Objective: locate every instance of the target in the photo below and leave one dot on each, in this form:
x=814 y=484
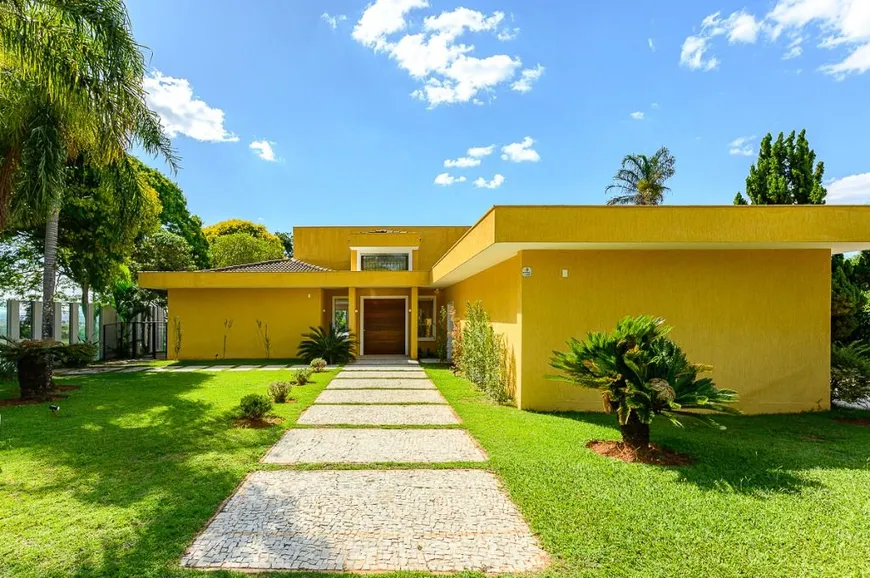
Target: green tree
x=287 y=241
x=175 y=216
x=70 y=83
x=164 y=251
x=20 y=265
x=240 y=248
x=786 y=173
x=641 y=179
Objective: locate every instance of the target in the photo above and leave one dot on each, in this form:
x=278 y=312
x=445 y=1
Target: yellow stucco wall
x=499 y=289
x=330 y=246
x=287 y=312
x=760 y=318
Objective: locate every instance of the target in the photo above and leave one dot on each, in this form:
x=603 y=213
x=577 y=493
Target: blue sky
x=361 y=104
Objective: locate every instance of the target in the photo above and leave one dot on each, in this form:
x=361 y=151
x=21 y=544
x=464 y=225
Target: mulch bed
x=864 y=422
x=56 y=395
x=655 y=455
x=267 y=421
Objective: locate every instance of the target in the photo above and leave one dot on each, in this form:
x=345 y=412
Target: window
x=384 y=262
x=426 y=318
x=339 y=314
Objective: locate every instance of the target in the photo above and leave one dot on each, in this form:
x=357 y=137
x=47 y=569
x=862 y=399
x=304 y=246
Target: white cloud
x=528 y=77
x=654 y=106
x=333 y=21
x=478 y=152
x=263 y=149
x=462 y=163
x=652 y=44
x=495 y=183
x=854 y=189
x=446 y=179
x=446 y=68
x=839 y=23
x=520 y=152
x=506 y=34
x=742 y=146
x=181 y=112
x=637 y=115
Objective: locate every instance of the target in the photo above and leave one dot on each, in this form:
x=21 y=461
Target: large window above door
x=385 y=262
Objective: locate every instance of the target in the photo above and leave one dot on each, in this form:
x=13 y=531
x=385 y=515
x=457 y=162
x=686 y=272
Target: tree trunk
x=7 y=177
x=34 y=376
x=635 y=434
x=49 y=273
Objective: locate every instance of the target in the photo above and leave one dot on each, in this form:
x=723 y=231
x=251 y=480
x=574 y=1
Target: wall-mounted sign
x=527 y=271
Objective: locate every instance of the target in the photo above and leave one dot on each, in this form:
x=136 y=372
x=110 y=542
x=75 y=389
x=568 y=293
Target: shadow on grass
x=136 y=458
x=756 y=455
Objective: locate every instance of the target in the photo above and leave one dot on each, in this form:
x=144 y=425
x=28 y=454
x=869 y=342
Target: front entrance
x=383 y=326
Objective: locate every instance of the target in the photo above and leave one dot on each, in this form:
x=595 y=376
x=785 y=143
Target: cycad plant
x=641 y=373
x=327 y=343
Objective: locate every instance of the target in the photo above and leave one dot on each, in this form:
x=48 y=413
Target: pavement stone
x=376 y=396
x=378 y=415
x=417 y=374
x=369 y=520
x=380 y=384
x=363 y=446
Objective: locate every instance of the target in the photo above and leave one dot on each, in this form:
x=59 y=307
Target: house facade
x=747 y=290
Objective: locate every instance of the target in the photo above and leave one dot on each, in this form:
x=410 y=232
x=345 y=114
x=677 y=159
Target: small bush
x=302 y=376
x=76 y=355
x=850 y=372
x=318 y=364
x=481 y=354
x=255 y=406
x=330 y=343
x=279 y=391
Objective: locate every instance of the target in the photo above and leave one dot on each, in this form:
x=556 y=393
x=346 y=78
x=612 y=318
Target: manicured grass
x=130 y=469
x=771 y=496
x=185 y=362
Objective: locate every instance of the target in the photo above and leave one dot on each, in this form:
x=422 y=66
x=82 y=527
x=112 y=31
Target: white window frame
x=434 y=300
x=362 y=320
x=360 y=251
x=349 y=309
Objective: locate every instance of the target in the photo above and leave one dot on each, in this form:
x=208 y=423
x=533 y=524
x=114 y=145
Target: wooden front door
x=384 y=327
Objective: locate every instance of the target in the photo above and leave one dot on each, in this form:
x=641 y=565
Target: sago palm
x=70 y=84
x=327 y=343
x=641 y=373
x=641 y=179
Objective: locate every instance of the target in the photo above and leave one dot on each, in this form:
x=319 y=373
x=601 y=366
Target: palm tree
x=641 y=180
x=70 y=84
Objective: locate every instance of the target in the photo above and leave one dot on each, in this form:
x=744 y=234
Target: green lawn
x=771 y=496
x=131 y=468
x=134 y=465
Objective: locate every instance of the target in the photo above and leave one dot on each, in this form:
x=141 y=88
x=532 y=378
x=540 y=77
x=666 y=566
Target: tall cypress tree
x=786 y=173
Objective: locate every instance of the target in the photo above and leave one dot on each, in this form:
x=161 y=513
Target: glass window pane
x=339 y=314
x=384 y=262
x=426 y=319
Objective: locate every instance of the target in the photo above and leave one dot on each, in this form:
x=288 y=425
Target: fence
x=134 y=340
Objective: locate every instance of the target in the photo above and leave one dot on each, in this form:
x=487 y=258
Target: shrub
x=302 y=376
x=77 y=354
x=318 y=364
x=482 y=356
x=850 y=371
x=441 y=335
x=279 y=391
x=641 y=373
x=327 y=343
x=255 y=406
x=33 y=360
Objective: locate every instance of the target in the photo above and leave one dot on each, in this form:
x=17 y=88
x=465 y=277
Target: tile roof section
x=275 y=266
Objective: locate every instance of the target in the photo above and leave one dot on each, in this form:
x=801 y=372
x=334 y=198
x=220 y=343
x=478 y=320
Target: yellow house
x=747 y=290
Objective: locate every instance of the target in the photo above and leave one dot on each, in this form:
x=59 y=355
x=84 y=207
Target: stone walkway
x=372 y=520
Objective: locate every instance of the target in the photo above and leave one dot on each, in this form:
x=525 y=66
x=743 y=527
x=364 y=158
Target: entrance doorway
x=384 y=323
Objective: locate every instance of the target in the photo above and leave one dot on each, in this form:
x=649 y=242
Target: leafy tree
x=164 y=251
x=641 y=180
x=240 y=248
x=175 y=216
x=130 y=300
x=287 y=241
x=20 y=265
x=786 y=173
x=71 y=83
x=232 y=226
x=641 y=373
